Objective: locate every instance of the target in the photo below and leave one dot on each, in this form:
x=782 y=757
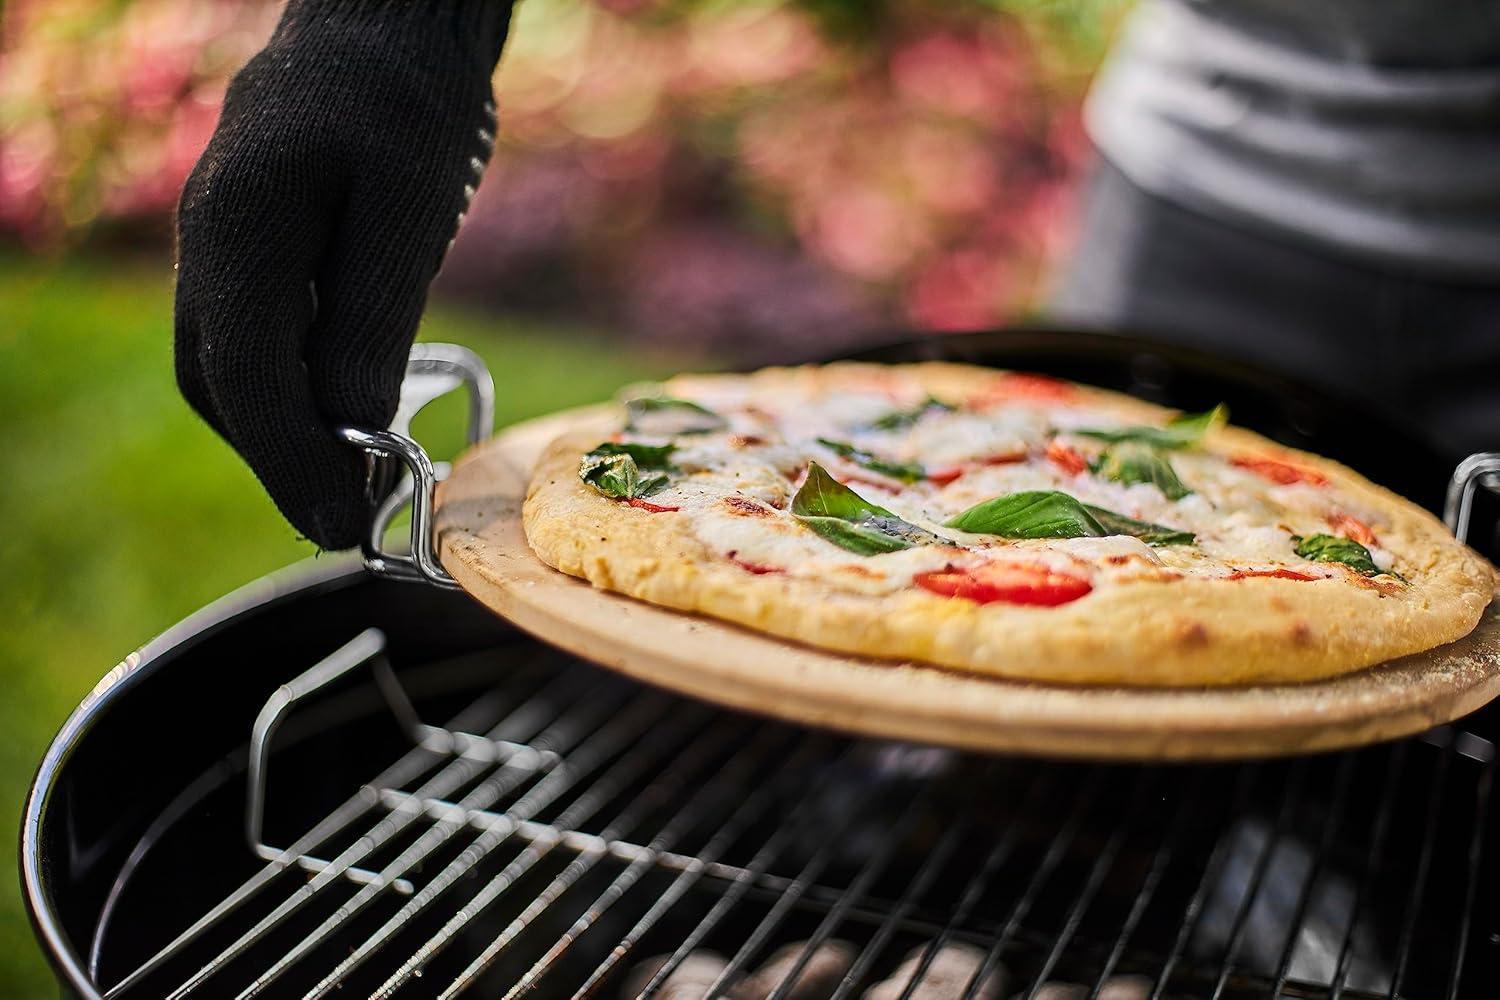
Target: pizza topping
x=653 y=508
x=744 y=505
x=1012 y=583
x=839 y=515
x=759 y=569
x=942 y=477
x=1053 y=514
x=907 y=472
x=1065 y=458
x=1026 y=386
x=1352 y=528
x=647 y=456
x=1277 y=471
x=663 y=416
x=1130 y=463
x=1329 y=548
x=1279 y=573
x=1151 y=534
x=1029 y=514
x=614 y=469
x=1182 y=431
x=901 y=419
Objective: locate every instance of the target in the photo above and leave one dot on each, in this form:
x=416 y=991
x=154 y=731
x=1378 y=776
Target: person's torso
x=1369 y=125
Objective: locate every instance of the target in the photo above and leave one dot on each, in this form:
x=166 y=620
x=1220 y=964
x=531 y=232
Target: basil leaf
x=848 y=520
x=1181 y=432
x=1151 y=534
x=1032 y=514
x=1330 y=548
x=667 y=417
x=1131 y=463
x=898 y=419
x=907 y=472
x=1053 y=514
x=647 y=456
x=618 y=476
x=859 y=538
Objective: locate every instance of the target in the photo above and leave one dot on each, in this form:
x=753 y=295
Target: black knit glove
x=345 y=157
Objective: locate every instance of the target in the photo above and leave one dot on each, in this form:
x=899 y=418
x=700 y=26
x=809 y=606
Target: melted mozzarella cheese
x=1241 y=522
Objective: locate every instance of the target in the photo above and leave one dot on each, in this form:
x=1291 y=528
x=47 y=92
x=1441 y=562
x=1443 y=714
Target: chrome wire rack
x=571 y=834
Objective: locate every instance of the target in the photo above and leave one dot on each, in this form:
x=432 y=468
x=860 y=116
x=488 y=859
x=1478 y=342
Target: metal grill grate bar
x=1424 y=863
x=458 y=772
x=611 y=739
x=1476 y=854
x=510 y=776
x=749 y=810
x=407 y=768
x=855 y=892
x=689 y=816
x=1284 y=817
x=898 y=914
x=1211 y=872
x=976 y=889
x=789 y=897
x=1097 y=871
x=1331 y=825
x=737 y=888
x=1374 y=861
x=676 y=774
x=1056 y=849
x=1165 y=851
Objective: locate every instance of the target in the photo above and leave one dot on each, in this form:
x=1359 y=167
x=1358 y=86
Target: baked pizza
x=999 y=522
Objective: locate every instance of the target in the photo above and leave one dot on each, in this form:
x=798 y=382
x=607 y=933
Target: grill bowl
x=1241 y=878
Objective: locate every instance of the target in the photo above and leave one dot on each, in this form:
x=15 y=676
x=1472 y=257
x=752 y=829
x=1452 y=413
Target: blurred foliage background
x=678 y=183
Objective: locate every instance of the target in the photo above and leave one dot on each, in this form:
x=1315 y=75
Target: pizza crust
x=1148 y=632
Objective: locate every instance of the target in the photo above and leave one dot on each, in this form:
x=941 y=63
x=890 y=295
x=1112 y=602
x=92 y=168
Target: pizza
x=999 y=522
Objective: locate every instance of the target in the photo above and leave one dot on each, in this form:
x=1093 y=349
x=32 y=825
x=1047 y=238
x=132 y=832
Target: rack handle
x=1482 y=469
x=432 y=371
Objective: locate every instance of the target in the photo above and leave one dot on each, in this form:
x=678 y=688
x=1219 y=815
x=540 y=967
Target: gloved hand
x=344 y=159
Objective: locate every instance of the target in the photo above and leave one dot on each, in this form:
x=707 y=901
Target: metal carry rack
x=570 y=824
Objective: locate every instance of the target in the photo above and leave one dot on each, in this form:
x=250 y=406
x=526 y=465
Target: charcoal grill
x=309 y=790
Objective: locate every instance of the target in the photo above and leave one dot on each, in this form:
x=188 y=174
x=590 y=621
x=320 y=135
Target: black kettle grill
x=309 y=790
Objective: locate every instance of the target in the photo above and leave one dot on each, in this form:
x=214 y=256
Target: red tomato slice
x=1066 y=458
x=1277 y=471
x=1352 y=528
x=759 y=569
x=942 y=477
x=1012 y=583
x=1008 y=459
x=1278 y=573
x=1024 y=386
x=654 y=508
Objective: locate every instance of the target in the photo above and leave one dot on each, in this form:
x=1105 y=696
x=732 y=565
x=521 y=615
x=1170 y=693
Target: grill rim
x=300 y=580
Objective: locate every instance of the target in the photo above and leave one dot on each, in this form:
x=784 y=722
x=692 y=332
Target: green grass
x=123 y=512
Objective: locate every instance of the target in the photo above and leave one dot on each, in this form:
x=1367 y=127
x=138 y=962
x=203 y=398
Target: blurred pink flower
x=864 y=232
x=749 y=47
x=973 y=75
x=26 y=165
x=962 y=290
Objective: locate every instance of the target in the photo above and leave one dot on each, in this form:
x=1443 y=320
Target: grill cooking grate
x=586 y=824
